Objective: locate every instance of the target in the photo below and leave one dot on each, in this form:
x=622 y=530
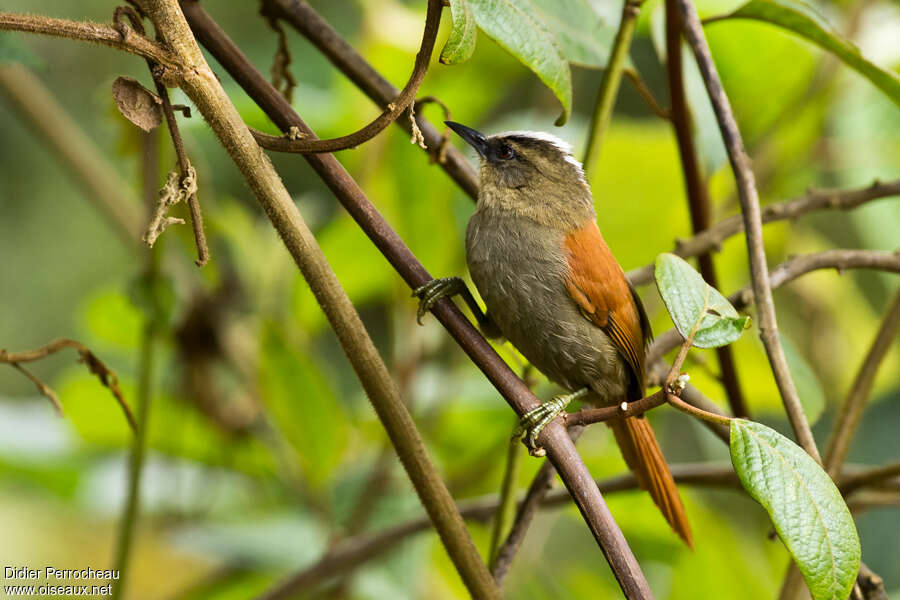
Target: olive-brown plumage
x=553 y=288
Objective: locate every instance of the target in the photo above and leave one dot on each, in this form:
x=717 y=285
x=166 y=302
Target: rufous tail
x=642 y=454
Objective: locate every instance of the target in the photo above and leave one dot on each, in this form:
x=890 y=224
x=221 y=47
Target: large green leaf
x=806 y=508
x=804 y=20
x=516 y=26
x=689 y=299
x=461 y=43
x=583 y=35
x=809 y=388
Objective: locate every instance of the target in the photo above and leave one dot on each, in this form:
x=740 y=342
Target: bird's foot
x=537 y=418
x=434 y=290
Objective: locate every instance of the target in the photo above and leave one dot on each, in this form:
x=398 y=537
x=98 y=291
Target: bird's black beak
x=472 y=137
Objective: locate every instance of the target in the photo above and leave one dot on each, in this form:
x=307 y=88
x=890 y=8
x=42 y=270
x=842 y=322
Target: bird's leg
x=446 y=287
x=537 y=418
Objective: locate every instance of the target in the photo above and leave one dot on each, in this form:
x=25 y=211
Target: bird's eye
x=505 y=152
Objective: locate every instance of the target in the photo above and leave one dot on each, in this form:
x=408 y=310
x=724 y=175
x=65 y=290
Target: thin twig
x=504 y=516
x=186 y=171
x=282 y=78
x=392 y=111
x=44 y=389
x=697 y=191
x=858 y=396
x=527 y=510
x=96 y=366
x=554 y=437
x=349 y=554
x=813 y=201
x=187 y=184
x=609 y=84
x=153 y=321
x=837 y=259
x=869 y=477
x=645 y=93
x=86 y=31
x=329 y=42
x=204 y=89
x=740 y=164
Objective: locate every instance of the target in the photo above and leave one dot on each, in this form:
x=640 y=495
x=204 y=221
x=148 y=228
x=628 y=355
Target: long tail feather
x=642 y=454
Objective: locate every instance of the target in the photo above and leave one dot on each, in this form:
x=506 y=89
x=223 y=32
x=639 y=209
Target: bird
x=552 y=287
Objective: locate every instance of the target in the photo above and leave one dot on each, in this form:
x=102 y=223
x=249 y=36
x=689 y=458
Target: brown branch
x=185 y=170
x=645 y=93
x=837 y=259
x=42 y=388
x=813 y=201
x=204 y=89
x=554 y=437
x=342 y=55
x=587 y=416
x=849 y=483
x=353 y=552
x=392 y=111
x=857 y=397
x=527 y=510
x=102 y=185
x=697 y=190
x=188 y=179
x=96 y=366
x=86 y=31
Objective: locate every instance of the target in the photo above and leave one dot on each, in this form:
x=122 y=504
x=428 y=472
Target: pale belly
x=523 y=288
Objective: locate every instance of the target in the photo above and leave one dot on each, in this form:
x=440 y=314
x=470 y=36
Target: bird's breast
x=519 y=268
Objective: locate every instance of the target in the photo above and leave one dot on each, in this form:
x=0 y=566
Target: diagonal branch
x=857 y=397
x=96 y=366
x=86 y=31
x=813 y=201
x=554 y=437
x=353 y=552
x=392 y=111
x=740 y=164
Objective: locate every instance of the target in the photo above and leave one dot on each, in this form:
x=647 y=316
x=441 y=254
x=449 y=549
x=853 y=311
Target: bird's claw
x=433 y=291
x=534 y=421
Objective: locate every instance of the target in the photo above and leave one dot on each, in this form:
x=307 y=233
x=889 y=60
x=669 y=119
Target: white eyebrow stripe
x=560 y=144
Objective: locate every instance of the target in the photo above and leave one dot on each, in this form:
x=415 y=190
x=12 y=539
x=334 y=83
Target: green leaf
x=809 y=388
x=804 y=20
x=583 y=35
x=461 y=43
x=303 y=405
x=806 y=508
x=516 y=27
x=689 y=299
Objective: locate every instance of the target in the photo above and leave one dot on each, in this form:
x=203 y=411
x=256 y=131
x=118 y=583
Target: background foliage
x=260 y=455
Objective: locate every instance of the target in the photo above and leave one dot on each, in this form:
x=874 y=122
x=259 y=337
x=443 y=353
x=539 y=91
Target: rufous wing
x=605 y=297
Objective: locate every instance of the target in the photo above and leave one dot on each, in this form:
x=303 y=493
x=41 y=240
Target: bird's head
x=528 y=171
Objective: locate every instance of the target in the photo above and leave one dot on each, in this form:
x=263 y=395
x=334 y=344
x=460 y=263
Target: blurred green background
x=262 y=444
